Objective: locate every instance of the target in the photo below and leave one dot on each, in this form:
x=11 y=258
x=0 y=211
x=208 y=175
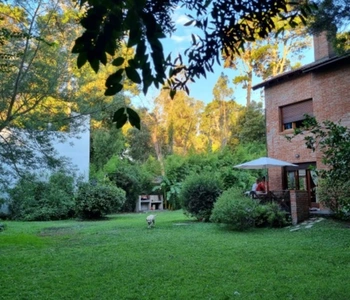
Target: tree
x=219 y=116
x=333 y=17
x=225 y=25
x=90 y=96
x=106 y=142
x=32 y=87
x=250 y=126
x=41 y=85
x=8 y=32
x=223 y=95
x=140 y=146
x=269 y=56
x=180 y=117
x=153 y=121
x=333 y=141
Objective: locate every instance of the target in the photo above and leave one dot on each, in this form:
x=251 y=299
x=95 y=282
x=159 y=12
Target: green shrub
x=171 y=190
x=95 y=201
x=335 y=194
x=270 y=215
x=176 y=167
x=35 y=200
x=133 y=180
x=198 y=195
x=235 y=210
x=235 y=178
x=243 y=213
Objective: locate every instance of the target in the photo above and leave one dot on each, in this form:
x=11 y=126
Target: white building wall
x=76 y=149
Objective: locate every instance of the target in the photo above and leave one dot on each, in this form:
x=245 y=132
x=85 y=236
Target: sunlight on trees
x=269 y=56
x=42 y=81
x=224 y=25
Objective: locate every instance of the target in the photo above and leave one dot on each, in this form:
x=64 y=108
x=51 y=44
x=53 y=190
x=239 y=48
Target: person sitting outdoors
x=255 y=185
x=252 y=191
x=261 y=188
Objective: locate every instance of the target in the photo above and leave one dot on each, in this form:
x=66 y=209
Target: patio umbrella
x=264 y=163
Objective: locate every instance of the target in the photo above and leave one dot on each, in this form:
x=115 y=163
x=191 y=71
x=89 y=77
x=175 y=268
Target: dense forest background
x=180 y=136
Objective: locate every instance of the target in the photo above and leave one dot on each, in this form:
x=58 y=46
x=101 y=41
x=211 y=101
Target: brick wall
x=277 y=145
x=299 y=205
x=329 y=90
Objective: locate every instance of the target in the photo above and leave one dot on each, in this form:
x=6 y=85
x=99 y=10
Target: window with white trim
x=293 y=115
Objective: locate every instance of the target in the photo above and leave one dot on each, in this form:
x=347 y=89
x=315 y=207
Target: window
x=292 y=115
x=288 y=125
x=297 y=180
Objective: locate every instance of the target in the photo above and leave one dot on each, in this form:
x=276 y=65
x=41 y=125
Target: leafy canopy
x=332 y=16
x=224 y=26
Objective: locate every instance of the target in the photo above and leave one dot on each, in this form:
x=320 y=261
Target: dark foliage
x=95 y=201
x=198 y=195
x=333 y=17
x=133 y=181
x=225 y=26
x=141 y=147
x=270 y=215
x=35 y=200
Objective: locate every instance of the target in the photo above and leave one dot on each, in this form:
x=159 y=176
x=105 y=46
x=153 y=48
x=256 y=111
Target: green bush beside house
x=60 y=197
x=241 y=213
x=33 y=199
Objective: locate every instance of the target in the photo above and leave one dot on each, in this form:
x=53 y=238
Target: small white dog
x=151 y=220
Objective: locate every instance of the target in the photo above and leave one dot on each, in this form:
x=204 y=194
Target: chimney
x=323 y=48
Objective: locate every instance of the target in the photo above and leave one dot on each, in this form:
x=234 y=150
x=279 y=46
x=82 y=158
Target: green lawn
x=120 y=258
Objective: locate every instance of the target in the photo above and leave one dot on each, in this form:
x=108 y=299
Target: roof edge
x=304 y=69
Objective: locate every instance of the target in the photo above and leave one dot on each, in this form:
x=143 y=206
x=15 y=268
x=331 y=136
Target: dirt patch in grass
x=55 y=231
x=183 y=224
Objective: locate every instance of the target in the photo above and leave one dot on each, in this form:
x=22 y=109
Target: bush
x=270 y=215
x=242 y=213
x=133 y=180
x=198 y=195
x=35 y=200
x=171 y=190
x=95 y=201
x=335 y=194
x=235 y=210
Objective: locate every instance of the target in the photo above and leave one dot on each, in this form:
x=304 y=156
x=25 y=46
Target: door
x=302 y=178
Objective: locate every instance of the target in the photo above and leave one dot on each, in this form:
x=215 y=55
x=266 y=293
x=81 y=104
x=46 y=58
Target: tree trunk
x=249 y=87
x=158 y=149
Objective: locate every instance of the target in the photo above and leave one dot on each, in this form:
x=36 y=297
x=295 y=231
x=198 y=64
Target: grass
x=120 y=258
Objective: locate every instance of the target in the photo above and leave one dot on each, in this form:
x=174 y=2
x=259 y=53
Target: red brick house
x=321 y=89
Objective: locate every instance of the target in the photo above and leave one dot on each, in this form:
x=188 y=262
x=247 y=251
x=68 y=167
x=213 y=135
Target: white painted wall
x=76 y=149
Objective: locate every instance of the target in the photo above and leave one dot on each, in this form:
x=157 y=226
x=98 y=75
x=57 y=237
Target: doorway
x=302 y=178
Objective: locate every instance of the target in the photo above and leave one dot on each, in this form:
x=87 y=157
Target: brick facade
x=329 y=90
x=326 y=82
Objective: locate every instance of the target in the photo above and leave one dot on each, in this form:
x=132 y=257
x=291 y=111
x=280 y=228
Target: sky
x=202 y=89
